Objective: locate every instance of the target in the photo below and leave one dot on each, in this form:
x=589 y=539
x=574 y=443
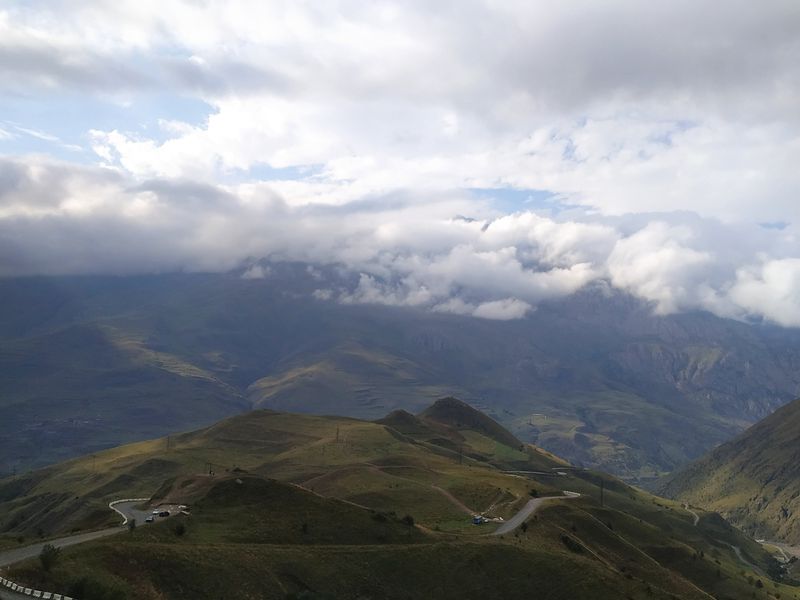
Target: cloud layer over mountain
x=468 y=157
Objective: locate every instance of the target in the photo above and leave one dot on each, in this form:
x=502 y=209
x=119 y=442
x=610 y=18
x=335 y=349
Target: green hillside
x=754 y=480
x=285 y=505
x=250 y=538
x=366 y=463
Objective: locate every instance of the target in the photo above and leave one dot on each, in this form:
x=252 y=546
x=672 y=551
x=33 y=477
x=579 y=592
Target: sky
x=471 y=157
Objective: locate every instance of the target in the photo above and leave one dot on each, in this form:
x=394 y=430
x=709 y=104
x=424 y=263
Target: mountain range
x=87 y=363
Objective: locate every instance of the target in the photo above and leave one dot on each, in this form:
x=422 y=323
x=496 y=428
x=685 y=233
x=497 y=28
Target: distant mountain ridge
x=90 y=362
x=753 y=480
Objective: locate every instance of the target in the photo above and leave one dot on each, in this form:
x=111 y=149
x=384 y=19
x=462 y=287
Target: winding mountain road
x=695 y=516
x=531 y=507
x=126 y=509
x=15 y=555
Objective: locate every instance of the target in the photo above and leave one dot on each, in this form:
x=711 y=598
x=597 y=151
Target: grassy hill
x=87 y=363
x=251 y=538
x=316 y=507
x=462 y=417
x=367 y=463
x=754 y=480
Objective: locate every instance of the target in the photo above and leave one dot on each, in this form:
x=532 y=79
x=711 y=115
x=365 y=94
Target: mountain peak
x=403 y=421
x=460 y=415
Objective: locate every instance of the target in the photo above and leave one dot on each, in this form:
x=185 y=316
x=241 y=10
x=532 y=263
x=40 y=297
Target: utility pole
x=602 y=492
x=337 y=435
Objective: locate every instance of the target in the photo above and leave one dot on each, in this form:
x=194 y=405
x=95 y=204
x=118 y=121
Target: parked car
x=163 y=513
x=479 y=520
x=150 y=519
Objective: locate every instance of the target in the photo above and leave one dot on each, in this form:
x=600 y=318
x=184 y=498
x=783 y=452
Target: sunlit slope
x=366 y=381
x=754 y=479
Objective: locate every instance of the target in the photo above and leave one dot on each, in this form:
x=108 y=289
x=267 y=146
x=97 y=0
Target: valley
x=87 y=363
x=752 y=480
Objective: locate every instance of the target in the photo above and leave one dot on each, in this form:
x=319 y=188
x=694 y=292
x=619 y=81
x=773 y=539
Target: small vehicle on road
x=163 y=513
x=150 y=519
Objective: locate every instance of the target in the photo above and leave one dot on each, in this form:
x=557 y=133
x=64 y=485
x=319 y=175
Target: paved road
x=694 y=514
x=126 y=509
x=744 y=561
x=14 y=555
x=129 y=512
x=531 y=507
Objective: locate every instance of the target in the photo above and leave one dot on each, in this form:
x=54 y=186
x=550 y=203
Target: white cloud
x=256 y=272
x=658 y=263
x=59 y=219
x=351 y=134
x=685 y=106
x=771 y=289
x=42 y=135
x=502 y=310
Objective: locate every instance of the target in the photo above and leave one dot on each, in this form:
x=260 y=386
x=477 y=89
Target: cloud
x=256 y=272
x=353 y=134
x=771 y=289
x=620 y=106
x=502 y=310
x=56 y=218
x=658 y=264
